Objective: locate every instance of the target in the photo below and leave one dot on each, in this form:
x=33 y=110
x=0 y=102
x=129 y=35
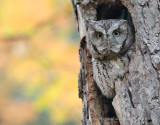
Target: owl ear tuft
x=124 y=21
x=91 y=23
x=123 y=24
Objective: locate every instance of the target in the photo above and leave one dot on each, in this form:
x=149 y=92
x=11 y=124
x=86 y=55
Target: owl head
x=108 y=39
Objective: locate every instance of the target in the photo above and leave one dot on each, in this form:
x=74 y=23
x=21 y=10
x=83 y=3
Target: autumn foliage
x=39 y=63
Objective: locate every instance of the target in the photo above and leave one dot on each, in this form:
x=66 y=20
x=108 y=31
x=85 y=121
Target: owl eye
x=116 y=33
x=99 y=35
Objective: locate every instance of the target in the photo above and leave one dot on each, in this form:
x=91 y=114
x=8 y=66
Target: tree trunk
x=137 y=99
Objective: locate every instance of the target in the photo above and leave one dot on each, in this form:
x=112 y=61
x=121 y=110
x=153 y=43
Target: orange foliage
x=39 y=72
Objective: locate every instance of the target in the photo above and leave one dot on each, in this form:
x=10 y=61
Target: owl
x=108 y=39
x=108 y=42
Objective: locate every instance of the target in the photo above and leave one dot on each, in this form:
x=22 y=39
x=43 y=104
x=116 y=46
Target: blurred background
x=39 y=63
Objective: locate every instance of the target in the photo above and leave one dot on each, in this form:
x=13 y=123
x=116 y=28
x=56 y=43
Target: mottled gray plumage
x=108 y=42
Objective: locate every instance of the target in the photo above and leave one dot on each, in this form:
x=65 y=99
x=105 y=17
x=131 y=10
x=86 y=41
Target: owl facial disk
x=108 y=38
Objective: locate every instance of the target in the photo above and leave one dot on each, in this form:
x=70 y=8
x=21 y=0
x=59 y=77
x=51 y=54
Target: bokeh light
x=39 y=63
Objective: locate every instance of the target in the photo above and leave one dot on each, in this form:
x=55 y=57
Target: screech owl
x=109 y=42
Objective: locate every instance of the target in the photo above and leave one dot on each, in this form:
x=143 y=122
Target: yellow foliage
x=21 y=15
x=42 y=69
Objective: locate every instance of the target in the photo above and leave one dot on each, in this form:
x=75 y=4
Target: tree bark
x=137 y=99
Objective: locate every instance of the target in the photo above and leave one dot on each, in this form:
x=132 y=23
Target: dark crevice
x=106 y=11
x=106 y=104
x=130 y=95
x=113 y=11
x=109 y=107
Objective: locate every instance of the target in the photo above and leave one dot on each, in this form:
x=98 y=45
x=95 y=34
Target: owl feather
x=109 y=42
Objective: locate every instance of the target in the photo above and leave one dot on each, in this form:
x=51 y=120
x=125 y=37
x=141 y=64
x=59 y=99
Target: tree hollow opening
x=113 y=11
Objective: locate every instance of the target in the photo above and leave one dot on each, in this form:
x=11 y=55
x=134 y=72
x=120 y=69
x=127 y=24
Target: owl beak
x=105 y=37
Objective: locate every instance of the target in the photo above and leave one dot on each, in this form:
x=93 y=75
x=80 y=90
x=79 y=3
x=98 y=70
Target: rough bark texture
x=137 y=99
